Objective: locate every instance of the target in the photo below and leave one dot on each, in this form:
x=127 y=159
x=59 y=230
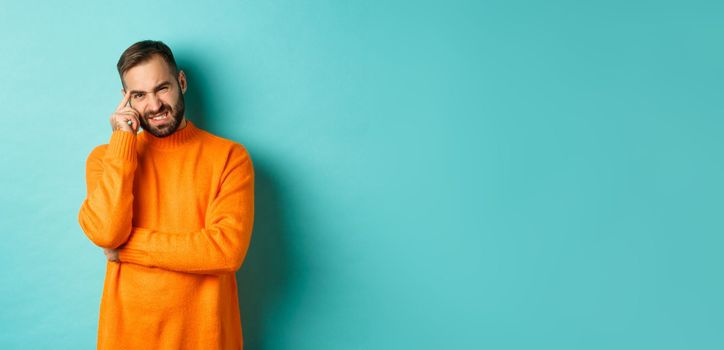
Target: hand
x=111 y=254
x=124 y=113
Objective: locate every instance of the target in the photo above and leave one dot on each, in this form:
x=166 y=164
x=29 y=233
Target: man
x=173 y=208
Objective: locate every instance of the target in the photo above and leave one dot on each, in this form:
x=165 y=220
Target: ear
x=182 y=81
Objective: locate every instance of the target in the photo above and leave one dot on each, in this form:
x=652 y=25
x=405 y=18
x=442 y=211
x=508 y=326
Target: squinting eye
x=137 y=96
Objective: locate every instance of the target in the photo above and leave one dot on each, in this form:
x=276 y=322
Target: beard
x=175 y=115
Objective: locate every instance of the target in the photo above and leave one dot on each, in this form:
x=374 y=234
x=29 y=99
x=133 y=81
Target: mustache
x=163 y=109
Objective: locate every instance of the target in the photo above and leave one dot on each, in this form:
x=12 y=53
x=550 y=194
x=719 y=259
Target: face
x=157 y=95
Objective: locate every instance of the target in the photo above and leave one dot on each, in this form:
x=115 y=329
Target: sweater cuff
x=135 y=256
x=133 y=251
x=122 y=145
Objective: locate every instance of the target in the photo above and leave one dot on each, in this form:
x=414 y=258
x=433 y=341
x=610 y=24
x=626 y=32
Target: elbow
x=226 y=269
x=233 y=256
x=107 y=241
x=232 y=261
x=104 y=237
x=218 y=268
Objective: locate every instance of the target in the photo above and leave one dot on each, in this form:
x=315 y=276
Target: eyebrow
x=156 y=88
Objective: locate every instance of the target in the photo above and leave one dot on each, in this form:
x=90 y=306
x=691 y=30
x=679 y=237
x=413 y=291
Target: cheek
x=168 y=101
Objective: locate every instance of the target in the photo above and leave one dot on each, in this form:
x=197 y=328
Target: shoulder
x=94 y=160
x=232 y=156
x=223 y=146
x=97 y=152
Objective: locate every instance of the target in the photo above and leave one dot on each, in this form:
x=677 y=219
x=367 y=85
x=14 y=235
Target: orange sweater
x=180 y=209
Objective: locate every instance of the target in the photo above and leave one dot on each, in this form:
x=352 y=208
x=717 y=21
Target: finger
x=127 y=119
x=126 y=97
x=135 y=124
x=131 y=119
x=129 y=111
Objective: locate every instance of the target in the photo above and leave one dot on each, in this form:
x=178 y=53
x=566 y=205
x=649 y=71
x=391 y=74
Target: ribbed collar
x=175 y=140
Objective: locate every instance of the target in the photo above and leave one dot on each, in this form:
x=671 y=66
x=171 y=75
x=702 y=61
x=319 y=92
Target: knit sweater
x=180 y=211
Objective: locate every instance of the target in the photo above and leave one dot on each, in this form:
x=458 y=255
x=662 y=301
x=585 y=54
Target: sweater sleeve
x=221 y=246
x=107 y=211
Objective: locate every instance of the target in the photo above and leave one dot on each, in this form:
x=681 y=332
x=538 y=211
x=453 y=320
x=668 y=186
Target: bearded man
x=173 y=208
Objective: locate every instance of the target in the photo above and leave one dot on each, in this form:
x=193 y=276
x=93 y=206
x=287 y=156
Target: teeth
x=163 y=116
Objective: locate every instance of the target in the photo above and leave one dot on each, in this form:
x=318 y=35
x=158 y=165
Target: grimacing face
x=157 y=95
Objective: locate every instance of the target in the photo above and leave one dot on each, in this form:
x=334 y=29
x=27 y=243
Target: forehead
x=147 y=75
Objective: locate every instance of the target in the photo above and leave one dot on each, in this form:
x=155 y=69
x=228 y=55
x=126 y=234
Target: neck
x=184 y=134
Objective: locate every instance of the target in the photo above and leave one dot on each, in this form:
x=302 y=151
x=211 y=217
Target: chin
x=161 y=133
x=169 y=130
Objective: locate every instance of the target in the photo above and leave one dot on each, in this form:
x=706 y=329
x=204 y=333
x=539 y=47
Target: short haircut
x=143 y=51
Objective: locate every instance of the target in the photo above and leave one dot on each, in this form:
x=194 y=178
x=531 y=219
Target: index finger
x=125 y=100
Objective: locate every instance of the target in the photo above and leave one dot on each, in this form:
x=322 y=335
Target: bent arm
x=107 y=211
x=221 y=246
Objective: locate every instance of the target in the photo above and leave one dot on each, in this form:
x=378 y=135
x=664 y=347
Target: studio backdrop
x=429 y=175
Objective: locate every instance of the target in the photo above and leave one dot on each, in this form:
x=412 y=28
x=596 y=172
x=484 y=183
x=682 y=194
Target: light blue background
x=430 y=175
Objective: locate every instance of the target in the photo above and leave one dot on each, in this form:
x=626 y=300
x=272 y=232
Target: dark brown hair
x=141 y=52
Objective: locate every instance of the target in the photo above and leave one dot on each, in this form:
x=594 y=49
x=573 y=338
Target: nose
x=154 y=103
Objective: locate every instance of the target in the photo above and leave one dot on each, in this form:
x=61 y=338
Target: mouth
x=159 y=118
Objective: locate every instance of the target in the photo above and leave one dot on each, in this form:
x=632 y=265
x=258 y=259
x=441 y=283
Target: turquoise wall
x=430 y=175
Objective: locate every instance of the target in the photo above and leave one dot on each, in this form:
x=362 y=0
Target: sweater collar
x=175 y=140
